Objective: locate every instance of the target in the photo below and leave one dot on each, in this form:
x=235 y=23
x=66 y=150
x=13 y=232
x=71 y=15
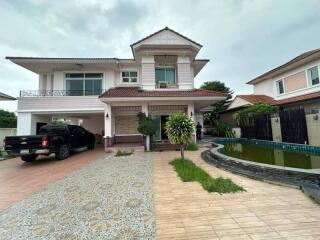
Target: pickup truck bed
x=58 y=139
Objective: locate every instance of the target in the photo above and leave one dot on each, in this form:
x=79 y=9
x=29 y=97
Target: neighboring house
x=293 y=84
x=105 y=94
x=5 y=97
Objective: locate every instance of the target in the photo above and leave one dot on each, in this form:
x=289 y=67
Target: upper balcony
x=60 y=93
x=60 y=101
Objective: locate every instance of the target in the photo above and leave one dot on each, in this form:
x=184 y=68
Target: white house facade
x=105 y=95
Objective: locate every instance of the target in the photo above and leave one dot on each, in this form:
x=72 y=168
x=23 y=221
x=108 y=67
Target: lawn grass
x=192 y=147
x=122 y=153
x=189 y=172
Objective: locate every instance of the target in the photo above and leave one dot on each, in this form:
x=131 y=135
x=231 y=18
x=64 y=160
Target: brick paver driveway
x=19 y=179
x=109 y=198
x=265 y=211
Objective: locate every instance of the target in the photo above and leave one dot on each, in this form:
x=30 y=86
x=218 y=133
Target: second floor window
x=166 y=74
x=83 y=84
x=129 y=77
x=313 y=76
x=280 y=86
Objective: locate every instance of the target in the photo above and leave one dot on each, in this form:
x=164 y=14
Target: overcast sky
x=242 y=39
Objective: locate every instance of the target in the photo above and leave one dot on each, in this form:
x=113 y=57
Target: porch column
x=108 y=125
x=192 y=115
x=145 y=109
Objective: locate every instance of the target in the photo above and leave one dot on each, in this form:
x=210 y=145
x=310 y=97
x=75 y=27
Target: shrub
x=180 y=128
x=122 y=153
x=221 y=129
x=192 y=147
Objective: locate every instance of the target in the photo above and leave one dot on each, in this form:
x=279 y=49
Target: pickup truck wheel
x=63 y=152
x=28 y=158
x=91 y=146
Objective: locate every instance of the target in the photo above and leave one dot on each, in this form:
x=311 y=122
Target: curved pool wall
x=294 y=147
x=307 y=179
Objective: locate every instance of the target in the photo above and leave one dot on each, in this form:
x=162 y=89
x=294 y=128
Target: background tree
x=180 y=129
x=7 y=119
x=147 y=127
x=218 y=87
x=211 y=118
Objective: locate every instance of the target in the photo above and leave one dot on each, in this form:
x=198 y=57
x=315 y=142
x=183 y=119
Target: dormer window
x=129 y=77
x=165 y=76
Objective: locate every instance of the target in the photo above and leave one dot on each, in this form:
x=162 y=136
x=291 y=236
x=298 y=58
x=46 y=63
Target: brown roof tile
x=301 y=98
x=137 y=92
x=255 y=98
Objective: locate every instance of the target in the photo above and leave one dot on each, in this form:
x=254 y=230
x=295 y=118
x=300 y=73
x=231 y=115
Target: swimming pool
x=266 y=152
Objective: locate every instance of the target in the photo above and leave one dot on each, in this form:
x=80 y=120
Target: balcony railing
x=59 y=93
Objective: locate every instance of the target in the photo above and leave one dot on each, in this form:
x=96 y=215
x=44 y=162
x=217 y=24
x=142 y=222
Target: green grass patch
x=123 y=153
x=189 y=172
x=192 y=147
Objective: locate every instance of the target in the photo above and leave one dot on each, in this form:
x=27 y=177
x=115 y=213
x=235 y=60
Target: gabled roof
x=6 y=97
x=285 y=67
x=136 y=92
x=165 y=29
x=255 y=98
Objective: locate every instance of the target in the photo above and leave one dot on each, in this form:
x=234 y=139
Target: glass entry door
x=157 y=135
x=161 y=131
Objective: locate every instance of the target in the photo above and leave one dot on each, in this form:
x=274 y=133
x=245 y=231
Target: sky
x=242 y=39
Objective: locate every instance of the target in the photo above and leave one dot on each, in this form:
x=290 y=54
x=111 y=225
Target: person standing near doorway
x=198 y=131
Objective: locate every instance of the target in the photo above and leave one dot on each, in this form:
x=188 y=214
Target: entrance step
x=125 y=147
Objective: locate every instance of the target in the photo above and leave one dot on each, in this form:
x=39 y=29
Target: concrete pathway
x=265 y=211
x=110 y=198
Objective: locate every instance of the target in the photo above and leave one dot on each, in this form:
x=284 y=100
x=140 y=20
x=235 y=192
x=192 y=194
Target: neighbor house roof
x=6 y=97
x=305 y=97
x=255 y=98
x=295 y=62
x=138 y=92
x=165 y=29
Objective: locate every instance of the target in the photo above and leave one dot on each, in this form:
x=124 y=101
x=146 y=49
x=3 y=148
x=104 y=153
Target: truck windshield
x=49 y=130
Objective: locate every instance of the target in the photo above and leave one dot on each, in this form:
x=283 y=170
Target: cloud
x=242 y=38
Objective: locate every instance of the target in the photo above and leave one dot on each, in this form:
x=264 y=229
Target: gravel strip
x=110 y=198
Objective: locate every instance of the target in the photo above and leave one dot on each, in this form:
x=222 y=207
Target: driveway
x=19 y=179
x=109 y=198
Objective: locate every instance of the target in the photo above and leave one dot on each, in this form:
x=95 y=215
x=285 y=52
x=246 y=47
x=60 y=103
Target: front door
x=161 y=130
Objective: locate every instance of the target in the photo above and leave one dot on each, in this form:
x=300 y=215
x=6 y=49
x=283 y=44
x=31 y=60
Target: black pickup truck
x=58 y=139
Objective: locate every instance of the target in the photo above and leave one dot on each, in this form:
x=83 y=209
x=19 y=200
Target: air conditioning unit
x=163 y=84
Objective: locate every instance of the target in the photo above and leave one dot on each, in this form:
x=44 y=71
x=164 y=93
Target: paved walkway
x=110 y=198
x=265 y=211
x=19 y=179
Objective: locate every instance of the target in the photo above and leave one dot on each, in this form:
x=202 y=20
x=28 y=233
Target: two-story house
x=293 y=84
x=105 y=95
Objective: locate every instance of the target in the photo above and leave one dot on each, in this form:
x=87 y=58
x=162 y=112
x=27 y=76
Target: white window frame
x=130 y=82
x=309 y=76
x=277 y=87
x=168 y=67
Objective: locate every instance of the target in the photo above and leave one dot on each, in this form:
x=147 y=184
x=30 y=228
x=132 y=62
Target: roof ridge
x=293 y=60
x=164 y=29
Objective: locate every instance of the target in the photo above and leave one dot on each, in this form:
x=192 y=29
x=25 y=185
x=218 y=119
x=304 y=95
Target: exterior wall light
x=191 y=114
x=315 y=117
x=107 y=115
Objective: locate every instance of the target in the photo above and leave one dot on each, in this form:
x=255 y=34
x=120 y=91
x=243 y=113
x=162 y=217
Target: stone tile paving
x=110 y=198
x=265 y=211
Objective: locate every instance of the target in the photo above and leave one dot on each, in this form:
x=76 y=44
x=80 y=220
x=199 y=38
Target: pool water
x=267 y=155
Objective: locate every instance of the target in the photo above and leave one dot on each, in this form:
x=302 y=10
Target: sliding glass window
x=166 y=74
x=83 y=84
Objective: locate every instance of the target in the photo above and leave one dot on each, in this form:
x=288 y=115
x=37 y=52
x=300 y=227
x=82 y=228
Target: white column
x=108 y=125
x=24 y=123
x=192 y=115
x=145 y=109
